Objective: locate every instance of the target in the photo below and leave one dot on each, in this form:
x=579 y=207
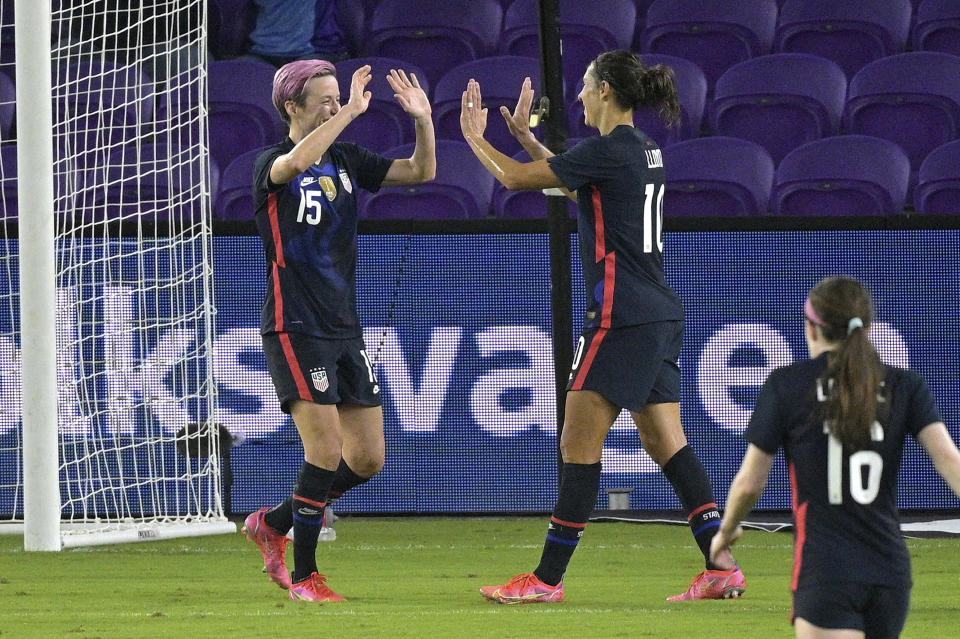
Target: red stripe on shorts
x=588 y=359
x=700 y=510
x=298 y=377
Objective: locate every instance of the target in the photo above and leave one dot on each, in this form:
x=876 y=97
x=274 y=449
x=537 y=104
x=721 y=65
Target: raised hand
x=359 y=96
x=519 y=121
x=408 y=93
x=473 y=118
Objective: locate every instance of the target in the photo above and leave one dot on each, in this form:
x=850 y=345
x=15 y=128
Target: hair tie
x=854 y=324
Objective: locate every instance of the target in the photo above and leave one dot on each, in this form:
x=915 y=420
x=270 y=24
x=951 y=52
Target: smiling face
x=590 y=97
x=321 y=101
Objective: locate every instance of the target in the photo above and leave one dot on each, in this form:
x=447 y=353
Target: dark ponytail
x=636 y=85
x=843 y=311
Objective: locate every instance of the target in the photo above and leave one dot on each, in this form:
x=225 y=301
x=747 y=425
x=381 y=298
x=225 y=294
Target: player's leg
x=588 y=418
x=663 y=438
x=320 y=432
x=806 y=630
x=662 y=435
x=361 y=418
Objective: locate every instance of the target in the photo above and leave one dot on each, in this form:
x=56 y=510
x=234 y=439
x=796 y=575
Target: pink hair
x=289 y=80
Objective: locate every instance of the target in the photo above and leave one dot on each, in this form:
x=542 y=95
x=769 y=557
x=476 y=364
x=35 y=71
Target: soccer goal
x=108 y=426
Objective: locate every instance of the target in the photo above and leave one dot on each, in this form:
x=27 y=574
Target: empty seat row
x=438 y=34
x=711 y=176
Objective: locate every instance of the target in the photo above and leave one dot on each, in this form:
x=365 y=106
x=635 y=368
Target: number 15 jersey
x=309 y=232
x=844 y=502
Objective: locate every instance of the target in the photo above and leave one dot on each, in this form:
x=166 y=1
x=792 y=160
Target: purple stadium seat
x=849 y=33
x=8 y=107
x=717 y=176
x=716 y=34
x=105 y=95
x=385 y=124
x=229 y=24
x=937 y=27
x=842 y=175
x=435 y=35
x=912 y=99
x=234 y=197
x=525 y=204
x=779 y=101
x=241 y=112
x=938 y=185
x=152 y=181
x=461 y=190
x=500 y=80
x=587 y=29
x=692 y=89
x=8 y=182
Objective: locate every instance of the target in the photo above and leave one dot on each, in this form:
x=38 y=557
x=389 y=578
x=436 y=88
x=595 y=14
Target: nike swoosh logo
x=310 y=512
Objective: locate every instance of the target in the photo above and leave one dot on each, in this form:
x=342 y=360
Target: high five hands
x=408 y=93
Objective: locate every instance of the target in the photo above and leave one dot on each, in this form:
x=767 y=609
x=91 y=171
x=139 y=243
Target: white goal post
x=108 y=429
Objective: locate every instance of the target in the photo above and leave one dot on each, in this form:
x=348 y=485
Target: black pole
x=558 y=220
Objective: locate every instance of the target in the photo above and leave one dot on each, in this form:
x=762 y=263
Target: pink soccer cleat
x=525 y=588
x=314 y=588
x=272 y=544
x=714 y=584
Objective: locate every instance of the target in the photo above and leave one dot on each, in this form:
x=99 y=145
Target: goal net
x=138 y=450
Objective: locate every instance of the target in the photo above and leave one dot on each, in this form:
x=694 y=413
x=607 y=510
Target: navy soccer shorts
x=631 y=366
x=323 y=371
x=879 y=611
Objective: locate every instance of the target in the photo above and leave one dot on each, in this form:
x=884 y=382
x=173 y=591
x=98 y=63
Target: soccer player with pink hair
x=305 y=191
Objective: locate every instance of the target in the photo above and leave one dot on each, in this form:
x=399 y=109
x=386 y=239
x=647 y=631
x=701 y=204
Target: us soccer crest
x=329 y=187
x=320 y=381
x=345 y=181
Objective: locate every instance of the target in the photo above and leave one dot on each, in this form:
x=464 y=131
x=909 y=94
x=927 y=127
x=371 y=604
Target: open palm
x=408 y=93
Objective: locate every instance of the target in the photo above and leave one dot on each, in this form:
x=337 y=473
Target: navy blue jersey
x=309 y=233
x=844 y=501
x=619 y=180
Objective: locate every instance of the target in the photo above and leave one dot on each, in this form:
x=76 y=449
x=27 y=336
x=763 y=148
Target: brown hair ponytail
x=636 y=85
x=845 y=308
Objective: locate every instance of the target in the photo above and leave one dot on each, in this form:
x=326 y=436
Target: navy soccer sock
x=344 y=481
x=308 y=501
x=578 y=496
x=692 y=485
x=280 y=517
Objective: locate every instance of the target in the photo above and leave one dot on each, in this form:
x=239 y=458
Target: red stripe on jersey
x=277 y=299
x=275 y=227
x=588 y=359
x=294 y=365
x=318 y=504
x=700 y=510
x=600 y=247
x=800 y=517
x=571 y=524
x=609 y=282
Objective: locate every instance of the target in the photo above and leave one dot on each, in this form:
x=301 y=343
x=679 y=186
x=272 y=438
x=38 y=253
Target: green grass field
x=418 y=577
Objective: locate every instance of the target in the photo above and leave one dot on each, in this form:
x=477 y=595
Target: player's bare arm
x=323 y=104
x=422 y=165
x=745 y=490
x=936 y=440
x=512 y=174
